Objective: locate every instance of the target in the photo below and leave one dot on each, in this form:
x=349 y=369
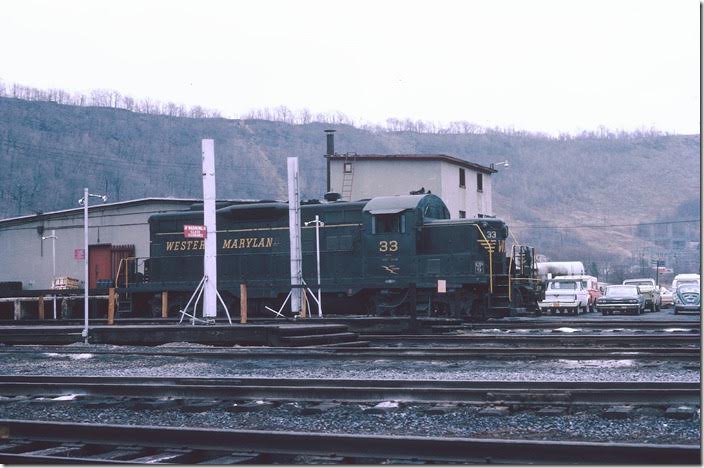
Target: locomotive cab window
x=388 y=223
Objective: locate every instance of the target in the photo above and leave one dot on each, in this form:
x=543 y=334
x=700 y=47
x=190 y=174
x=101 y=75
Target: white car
x=666 y=297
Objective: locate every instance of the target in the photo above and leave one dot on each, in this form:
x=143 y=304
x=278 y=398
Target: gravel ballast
x=645 y=425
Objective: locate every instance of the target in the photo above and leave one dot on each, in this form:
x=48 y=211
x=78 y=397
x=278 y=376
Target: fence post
x=40 y=307
x=18 y=309
x=111 y=305
x=164 y=304
x=243 y=303
x=304 y=304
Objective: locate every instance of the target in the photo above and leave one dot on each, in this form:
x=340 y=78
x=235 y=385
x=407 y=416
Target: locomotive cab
x=392 y=224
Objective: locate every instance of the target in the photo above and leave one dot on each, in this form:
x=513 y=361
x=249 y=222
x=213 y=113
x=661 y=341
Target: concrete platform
x=354 y=323
x=270 y=334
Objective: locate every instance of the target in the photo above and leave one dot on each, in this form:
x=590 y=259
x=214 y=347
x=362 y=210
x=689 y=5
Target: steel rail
x=470 y=392
x=401 y=353
x=572 y=339
x=584 y=323
x=196 y=445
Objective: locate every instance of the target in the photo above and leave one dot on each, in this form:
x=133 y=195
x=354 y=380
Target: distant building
x=465 y=187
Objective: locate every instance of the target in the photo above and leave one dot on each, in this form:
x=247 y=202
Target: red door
x=99 y=264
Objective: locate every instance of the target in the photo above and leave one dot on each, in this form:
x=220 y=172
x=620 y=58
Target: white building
x=465 y=187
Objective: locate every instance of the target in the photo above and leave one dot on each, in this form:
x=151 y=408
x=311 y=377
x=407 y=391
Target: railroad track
x=585 y=324
x=431 y=391
x=431 y=352
x=52 y=442
x=503 y=324
x=555 y=339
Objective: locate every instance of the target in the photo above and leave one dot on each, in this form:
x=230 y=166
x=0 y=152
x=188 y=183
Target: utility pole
x=84 y=201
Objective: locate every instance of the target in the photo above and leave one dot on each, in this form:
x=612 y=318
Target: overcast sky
x=549 y=66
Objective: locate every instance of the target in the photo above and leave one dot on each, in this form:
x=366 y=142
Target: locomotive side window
x=388 y=224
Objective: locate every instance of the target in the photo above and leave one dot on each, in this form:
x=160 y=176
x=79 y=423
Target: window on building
x=348 y=168
x=462 y=184
x=463 y=214
x=480 y=182
x=388 y=224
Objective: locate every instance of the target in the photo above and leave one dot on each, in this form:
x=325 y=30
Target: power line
x=596 y=226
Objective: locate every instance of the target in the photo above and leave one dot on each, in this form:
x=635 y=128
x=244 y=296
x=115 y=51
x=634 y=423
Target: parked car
x=685 y=278
x=621 y=298
x=687 y=298
x=650 y=291
x=666 y=297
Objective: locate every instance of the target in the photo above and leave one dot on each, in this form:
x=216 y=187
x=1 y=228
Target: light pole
x=53 y=262
x=318 y=225
x=502 y=163
x=84 y=201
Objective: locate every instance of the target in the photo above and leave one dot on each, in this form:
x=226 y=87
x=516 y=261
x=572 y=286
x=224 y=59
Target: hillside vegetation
x=50 y=151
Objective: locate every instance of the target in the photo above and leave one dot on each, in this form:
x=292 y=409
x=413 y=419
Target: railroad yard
x=585 y=389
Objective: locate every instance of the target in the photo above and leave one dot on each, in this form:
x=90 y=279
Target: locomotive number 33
x=388 y=246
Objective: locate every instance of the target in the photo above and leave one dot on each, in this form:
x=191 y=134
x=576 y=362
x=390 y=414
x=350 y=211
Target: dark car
x=621 y=298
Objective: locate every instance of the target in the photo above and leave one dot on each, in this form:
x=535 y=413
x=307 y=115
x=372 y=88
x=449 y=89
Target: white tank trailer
x=548 y=270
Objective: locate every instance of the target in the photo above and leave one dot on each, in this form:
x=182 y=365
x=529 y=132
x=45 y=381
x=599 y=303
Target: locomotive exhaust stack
x=330 y=134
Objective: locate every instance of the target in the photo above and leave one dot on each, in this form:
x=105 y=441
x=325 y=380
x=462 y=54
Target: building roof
x=139 y=201
x=414 y=157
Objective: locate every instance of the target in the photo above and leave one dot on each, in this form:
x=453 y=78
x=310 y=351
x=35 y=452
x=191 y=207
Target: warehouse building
x=117 y=232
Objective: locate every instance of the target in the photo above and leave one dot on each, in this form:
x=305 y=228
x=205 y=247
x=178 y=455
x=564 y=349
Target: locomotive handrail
x=119 y=267
x=515 y=239
x=510 y=264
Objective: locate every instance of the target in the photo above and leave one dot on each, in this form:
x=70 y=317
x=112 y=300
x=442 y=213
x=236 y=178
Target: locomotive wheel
x=477 y=312
x=442 y=310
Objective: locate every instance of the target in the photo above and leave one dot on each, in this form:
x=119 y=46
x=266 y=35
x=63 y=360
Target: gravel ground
x=86 y=363
x=646 y=426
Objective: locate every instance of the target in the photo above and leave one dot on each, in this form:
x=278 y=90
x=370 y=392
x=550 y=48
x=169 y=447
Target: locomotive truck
x=373 y=255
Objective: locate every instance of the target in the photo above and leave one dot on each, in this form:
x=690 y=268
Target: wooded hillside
x=50 y=151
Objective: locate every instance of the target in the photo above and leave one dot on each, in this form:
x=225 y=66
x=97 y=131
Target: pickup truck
x=649 y=290
x=572 y=294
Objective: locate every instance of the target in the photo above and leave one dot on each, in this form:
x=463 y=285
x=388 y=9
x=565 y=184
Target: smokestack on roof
x=330 y=152
x=331 y=142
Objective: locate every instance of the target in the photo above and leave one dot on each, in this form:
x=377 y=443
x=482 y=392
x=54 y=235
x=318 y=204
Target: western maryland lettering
x=241 y=243
x=185 y=245
x=248 y=243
